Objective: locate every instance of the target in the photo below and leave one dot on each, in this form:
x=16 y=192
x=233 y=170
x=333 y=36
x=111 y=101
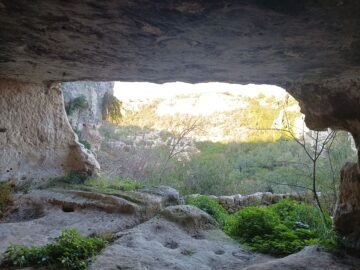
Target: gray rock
x=160 y=244
x=189 y=217
x=310 y=258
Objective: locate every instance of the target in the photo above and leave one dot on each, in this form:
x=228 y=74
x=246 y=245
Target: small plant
x=6 y=198
x=75 y=178
x=111 y=108
x=210 y=206
x=85 y=143
x=78 y=103
x=187 y=252
x=69 y=251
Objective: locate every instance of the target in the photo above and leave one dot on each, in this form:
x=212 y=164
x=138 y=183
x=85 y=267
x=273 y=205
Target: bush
x=297 y=215
x=111 y=108
x=78 y=103
x=69 y=251
x=75 y=178
x=281 y=229
x=210 y=206
x=6 y=198
x=85 y=143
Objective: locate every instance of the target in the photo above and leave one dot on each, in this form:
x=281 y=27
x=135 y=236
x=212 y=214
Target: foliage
x=78 y=103
x=283 y=228
x=120 y=183
x=249 y=158
x=85 y=143
x=69 y=251
x=187 y=252
x=210 y=206
x=6 y=198
x=75 y=178
x=111 y=108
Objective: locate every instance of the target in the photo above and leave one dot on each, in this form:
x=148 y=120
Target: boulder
x=310 y=258
x=189 y=217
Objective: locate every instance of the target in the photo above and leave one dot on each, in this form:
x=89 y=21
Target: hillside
x=227 y=115
x=219 y=141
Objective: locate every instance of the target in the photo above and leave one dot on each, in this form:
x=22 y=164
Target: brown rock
x=347 y=210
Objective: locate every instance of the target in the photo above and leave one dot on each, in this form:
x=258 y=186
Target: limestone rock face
x=88 y=120
x=347 y=211
x=94 y=93
x=36 y=140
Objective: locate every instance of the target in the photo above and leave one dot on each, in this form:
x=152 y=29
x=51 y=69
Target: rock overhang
x=274 y=42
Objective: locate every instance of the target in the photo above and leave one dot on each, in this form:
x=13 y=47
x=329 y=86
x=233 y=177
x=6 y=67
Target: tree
x=178 y=142
x=313 y=144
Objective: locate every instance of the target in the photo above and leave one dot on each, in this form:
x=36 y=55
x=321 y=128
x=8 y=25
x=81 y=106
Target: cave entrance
x=208 y=138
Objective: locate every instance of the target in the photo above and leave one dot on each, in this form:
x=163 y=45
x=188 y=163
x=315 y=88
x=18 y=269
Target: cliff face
x=93 y=92
x=36 y=140
x=86 y=121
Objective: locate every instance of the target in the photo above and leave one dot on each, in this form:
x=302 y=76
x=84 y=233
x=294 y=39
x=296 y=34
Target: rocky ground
x=152 y=228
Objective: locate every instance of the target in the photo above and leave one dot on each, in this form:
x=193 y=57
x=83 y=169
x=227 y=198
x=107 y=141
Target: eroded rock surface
x=310 y=258
x=87 y=121
x=163 y=244
x=42 y=214
x=36 y=140
x=347 y=211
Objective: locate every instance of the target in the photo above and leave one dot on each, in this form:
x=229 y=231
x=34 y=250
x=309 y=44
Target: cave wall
x=36 y=140
x=94 y=93
x=311 y=48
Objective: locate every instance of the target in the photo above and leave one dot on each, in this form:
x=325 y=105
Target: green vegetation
x=121 y=183
x=74 y=178
x=218 y=168
x=283 y=228
x=84 y=142
x=69 y=251
x=210 y=206
x=187 y=252
x=111 y=108
x=6 y=198
x=78 y=103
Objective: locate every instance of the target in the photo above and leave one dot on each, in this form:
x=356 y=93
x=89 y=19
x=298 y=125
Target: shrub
x=75 y=178
x=78 y=103
x=6 y=198
x=281 y=229
x=85 y=143
x=296 y=215
x=69 y=251
x=111 y=108
x=210 y=206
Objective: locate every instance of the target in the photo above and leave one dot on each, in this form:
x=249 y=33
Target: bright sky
x=139 y=90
